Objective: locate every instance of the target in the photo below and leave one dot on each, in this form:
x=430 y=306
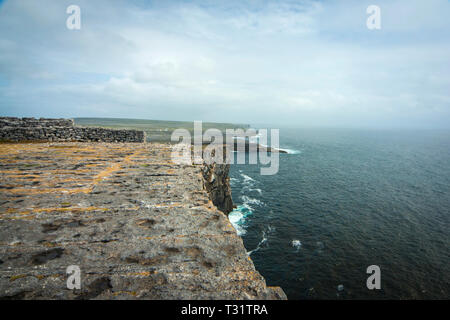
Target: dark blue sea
x=344 y=200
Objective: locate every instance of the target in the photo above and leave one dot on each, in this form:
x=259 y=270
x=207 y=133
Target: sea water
x=344 y=200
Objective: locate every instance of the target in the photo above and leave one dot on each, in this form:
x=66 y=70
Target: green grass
x=157 y=130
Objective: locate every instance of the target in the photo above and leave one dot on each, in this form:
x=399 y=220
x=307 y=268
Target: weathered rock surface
x=137 y=225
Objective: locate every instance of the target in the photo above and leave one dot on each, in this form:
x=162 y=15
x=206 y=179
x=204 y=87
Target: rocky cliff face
x=217 y=184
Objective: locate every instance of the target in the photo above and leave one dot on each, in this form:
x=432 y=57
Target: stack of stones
x=61 y=130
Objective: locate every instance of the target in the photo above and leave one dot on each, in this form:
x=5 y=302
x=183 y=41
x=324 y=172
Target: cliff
x=217 y=184
x=137 y=225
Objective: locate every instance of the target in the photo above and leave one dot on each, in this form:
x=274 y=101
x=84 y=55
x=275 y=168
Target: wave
x=290 y=151
x=264 y=240
x=247 y=188
x=247 y=179
x=237 y=218
x=248 y=192
x=233 y=181
x=239 y=215
x=247 y=200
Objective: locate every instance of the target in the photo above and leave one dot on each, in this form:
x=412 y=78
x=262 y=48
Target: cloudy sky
x=300 y=63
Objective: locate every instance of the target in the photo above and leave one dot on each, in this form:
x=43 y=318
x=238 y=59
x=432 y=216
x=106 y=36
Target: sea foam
x=296 y=244
x=237 y=218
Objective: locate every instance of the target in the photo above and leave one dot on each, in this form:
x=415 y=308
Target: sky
x=296 y=63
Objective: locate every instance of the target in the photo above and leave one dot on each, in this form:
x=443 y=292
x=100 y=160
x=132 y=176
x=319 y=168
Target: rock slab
x=137 y=225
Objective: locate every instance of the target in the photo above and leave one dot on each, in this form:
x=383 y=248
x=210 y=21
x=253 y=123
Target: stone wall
x=33 y=122
x=61 y=130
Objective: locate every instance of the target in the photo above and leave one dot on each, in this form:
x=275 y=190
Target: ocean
x=344 y=200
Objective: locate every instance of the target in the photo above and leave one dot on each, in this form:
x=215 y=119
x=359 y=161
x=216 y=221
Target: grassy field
x=157 y=130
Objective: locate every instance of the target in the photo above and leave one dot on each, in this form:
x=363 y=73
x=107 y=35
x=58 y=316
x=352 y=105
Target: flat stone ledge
x=137 y=225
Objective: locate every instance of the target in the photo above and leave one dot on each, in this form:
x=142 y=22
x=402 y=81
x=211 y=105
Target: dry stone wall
x=61 y=130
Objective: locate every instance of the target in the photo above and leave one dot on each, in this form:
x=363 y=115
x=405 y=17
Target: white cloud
x=307 y=62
